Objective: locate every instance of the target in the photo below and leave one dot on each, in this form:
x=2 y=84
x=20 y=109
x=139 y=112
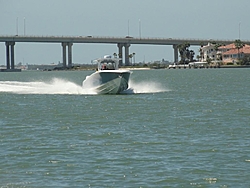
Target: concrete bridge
x=126 y=42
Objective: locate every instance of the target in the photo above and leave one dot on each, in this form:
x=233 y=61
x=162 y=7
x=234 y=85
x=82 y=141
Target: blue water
x=175 y=128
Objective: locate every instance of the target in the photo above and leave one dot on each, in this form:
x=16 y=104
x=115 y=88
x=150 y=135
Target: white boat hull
x=107 y=82
x=112 y=87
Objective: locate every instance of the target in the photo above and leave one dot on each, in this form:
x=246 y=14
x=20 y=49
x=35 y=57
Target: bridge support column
x=70 y=44
x=12 y=55
x=120 y=46
x=64 y=54
x=175 y=53
x=7 y=55
x=127 y=54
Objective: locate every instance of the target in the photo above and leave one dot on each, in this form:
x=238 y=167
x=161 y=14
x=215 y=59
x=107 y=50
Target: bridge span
x=68 y=41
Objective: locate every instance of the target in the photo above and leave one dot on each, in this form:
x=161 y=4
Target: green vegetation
x=238 y=44
x=186 y=55
x=245 y=60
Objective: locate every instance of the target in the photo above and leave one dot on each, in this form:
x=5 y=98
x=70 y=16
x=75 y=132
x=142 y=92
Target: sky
x=213 y=19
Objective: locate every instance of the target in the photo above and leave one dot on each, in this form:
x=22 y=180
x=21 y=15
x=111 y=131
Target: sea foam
x=62 y=86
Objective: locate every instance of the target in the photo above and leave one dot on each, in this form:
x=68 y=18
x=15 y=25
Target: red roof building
x=230 y=54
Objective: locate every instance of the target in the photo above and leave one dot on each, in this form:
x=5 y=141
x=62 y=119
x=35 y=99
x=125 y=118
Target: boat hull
x=107 y=82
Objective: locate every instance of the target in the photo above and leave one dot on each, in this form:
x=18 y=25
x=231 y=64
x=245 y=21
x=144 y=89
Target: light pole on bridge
x=17 y=26
x=140 y=28
x=24 y=25
x=239 y=30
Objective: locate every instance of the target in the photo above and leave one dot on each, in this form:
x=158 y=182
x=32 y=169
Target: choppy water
x=177 y=128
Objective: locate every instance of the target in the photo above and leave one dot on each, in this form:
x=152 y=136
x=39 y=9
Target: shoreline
x=135 y=68
x=130 y=68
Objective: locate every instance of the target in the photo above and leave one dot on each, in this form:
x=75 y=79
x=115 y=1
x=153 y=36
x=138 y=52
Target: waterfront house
x=208 y=52
x=225 y=54
x=230 y=54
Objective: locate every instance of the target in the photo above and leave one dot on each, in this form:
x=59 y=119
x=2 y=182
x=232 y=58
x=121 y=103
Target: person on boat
x=104 y=67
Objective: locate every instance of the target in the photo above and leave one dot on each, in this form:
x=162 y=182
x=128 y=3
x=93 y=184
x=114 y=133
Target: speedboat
x=107 y=79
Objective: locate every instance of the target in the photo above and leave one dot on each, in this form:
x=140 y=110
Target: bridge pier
x=175 y=53
x=12 y=61
x=120 y=54
x=127 y=54
x=7 y=55
x=10 y=55
x=120 y=46
x=64 y=54
x=70 y=44
x=64 y=58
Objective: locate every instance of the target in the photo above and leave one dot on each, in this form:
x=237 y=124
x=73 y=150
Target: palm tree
x=209 y=60
x=188 y=55
x=184 y=52
x=201 y=54
x=134 y=57
x=198 y=57
x=238 y=44
x=181 y=52
x=216 y=46
x=130 y=56
x=192 y=53
x=218 y=55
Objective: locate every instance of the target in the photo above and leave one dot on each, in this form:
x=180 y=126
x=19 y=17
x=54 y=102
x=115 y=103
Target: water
x=175 y=128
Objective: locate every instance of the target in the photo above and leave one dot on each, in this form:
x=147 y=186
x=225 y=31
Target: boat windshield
x=107 y=65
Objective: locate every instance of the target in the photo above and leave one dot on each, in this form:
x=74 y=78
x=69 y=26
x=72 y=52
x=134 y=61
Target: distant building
x=208 y=52
x=225 y=54
x=230 y=53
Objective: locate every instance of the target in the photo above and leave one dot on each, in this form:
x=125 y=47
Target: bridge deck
x=113 y=40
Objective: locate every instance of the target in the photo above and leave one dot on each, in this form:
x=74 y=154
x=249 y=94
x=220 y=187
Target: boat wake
x=55 y=86
x=64 y=87
x=145 y=87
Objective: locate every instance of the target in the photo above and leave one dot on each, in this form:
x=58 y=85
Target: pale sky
x=210 y=19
